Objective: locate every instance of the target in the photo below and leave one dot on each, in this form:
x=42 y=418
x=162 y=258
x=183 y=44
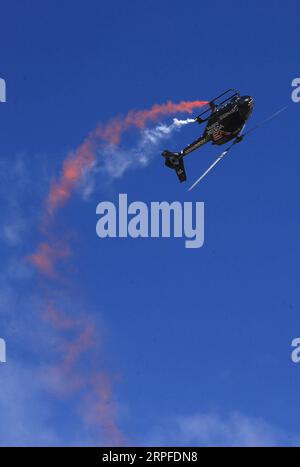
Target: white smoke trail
x=113 y=160
x=179 y=123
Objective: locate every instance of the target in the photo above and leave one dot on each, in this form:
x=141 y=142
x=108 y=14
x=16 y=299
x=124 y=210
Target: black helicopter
x=226 y=116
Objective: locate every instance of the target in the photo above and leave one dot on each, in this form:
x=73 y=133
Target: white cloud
x=212 y=429
x=24 y=412
x=12 y=230
x=23 y=181
x=32 y=389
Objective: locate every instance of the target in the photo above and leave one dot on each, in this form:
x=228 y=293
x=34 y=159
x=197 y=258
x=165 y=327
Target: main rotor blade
x=224 y=153
x=275 y=114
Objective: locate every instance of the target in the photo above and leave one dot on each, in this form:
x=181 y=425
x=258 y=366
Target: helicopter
x=225 y=117
x=225 y=122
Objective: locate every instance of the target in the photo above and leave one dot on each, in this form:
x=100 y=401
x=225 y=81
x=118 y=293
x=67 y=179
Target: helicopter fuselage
x=228 y=121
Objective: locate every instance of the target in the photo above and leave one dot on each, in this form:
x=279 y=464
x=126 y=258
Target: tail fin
x=174 y=161
x=180 y=170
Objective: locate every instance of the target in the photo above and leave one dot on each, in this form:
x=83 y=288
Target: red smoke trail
x=98 y=407
x=74 y=167
x=76 y=164
x=113 y=131
x=47 y=255
x=58 y=319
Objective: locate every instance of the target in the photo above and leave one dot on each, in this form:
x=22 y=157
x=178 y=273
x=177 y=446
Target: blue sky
x=197 y=342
